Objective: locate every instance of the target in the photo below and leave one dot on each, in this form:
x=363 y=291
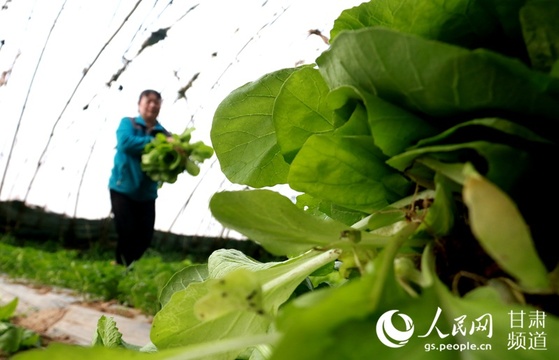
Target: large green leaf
x=224 y=261
x=282 y=228
x=277 y=280
x=465 y=23
x=177 y=324
x=347 y=170
x=108 y=335
x=236 y=290
x=327 y=210
x=181 y=279
x=541 y=33
x=273 y=221
x=348 y=104
x=243 y=133
x=240 y=298
x=392 y=128
x=438 y=79
x=15 y=338
x=501 y=230
x=8 y=310
x=301 y=110
x=490 y=24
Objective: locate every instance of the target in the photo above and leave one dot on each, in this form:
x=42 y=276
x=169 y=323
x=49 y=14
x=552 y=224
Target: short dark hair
x=149 y=92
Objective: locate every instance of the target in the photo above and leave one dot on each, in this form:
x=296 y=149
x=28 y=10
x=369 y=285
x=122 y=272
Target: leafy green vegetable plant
x=418 y=144
x=90 y=273
x=435 y=115
x=14 y=338
x=165 y=159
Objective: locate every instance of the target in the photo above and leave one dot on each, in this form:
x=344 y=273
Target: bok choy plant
x=420 y=145
x=14 y=338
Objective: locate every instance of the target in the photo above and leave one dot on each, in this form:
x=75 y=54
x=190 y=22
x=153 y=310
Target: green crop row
x=90 y=272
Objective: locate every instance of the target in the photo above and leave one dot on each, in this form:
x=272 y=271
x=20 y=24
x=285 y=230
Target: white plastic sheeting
x=71 y=69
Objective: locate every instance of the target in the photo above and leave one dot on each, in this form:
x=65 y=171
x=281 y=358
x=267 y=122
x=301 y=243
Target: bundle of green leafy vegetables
x=421 y=144
x=165 y=158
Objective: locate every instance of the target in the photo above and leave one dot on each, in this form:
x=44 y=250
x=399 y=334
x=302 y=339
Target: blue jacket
x=127 y=176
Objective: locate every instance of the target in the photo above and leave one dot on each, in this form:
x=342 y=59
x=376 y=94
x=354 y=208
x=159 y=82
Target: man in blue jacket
x=133 y=193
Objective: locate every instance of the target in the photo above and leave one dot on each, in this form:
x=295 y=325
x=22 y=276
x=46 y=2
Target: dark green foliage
x=90 y=272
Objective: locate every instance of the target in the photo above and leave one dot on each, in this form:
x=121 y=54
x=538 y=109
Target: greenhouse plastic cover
x=71 y=69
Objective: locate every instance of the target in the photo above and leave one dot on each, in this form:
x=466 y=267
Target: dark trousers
x=134 y=222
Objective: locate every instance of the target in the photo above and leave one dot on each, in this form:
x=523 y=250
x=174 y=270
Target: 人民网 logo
x=387 y=332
